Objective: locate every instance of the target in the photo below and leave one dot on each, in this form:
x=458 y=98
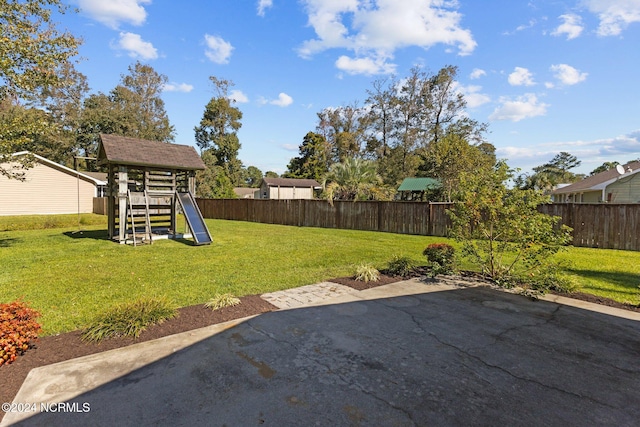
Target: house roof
x=83 y=175
x=598 y=181
x=122 y=150
x=291 y=182
x=419 y=184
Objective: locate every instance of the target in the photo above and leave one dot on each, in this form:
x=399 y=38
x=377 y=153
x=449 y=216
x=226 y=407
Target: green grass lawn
x=70 y=276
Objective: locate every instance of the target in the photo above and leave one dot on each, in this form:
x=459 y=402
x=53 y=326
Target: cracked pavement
x=458 y=356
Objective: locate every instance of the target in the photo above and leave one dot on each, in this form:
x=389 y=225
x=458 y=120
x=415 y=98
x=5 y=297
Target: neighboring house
x=287 y=188
x=416 y=188
x=608 y=186
x=48 y=188
x=245 y=192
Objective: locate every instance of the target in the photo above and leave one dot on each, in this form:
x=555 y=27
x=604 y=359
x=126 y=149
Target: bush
x=129 y=319
x=400 y=266
x=367 y=273
x=221 y=301
x=441 y=258
x=18 y=328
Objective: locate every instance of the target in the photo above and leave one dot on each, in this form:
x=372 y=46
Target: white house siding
x=285 y=193
x=46 y=190
x=625 y=190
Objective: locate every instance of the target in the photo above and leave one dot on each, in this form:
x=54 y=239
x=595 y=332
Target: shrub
x=18 y=328
x=129 y=319
x=440 y=257
x=501 y=229
x=400 y=266
x=221 y=301
x=367 y=273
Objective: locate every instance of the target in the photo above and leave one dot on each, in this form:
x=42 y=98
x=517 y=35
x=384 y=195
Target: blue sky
x=547 y=76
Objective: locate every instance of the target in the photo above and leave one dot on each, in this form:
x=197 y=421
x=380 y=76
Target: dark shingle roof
x=122 y=150
x=419 y=184
x=291 y=182
x=597 y=179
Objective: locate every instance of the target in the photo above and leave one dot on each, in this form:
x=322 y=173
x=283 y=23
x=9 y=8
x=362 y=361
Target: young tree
x=501 y=229
x=217 y=132
x=31 y=49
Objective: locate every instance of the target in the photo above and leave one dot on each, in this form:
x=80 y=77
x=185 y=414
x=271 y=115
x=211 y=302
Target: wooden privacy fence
x=427 y=219
x=594 y=225
x=601 y=225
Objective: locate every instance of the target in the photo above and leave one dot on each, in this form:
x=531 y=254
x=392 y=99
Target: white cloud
x=567 y=74
x=218 y=50
x=177 y=87
x=263 y=5
x=521 y=77
x=136 y=47
x=572 y=26
x=614 y=15
x=375 y=29
x=112 y=12
x=622 y=148
x=523 y=107
x=366 y=66
x=238 y=96
x=473 y=96
x=290 y=147
x=283 y=100
x=477 y=73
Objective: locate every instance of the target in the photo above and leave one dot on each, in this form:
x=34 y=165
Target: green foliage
x=222 y=300
x=400 y=266
x=134 y=108
x=549 y=175
x=367 y=273
x=129 y=319
x=18 y=328
x=353 y=179
x=314 y=159
x=214 y=182
x=441 y=257
x=501 y=229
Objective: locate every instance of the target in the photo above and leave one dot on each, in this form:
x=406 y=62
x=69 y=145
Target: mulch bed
x=58 y=348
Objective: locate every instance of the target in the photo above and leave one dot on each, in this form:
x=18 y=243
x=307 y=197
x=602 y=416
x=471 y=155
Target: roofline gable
x=63 y=168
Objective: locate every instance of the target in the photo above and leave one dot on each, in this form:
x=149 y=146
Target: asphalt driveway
x=456 y=356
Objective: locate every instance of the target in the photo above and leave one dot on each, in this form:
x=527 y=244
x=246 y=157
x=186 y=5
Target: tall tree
x=31 y=49
x=314 y=159
x=133 y=108
x=381 y=102
x=139 y=99
x=217 y=132
x=344 y=128
x=549 y=175
x=452 y=157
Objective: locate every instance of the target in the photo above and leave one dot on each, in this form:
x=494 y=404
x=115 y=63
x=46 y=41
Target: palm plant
x=352 y=179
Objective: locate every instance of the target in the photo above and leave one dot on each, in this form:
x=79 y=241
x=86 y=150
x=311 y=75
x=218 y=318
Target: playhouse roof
x=122 y=150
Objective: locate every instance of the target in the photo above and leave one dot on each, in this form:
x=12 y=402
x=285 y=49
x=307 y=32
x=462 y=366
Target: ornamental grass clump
x=367 y=273
x=441 y=258
x=129 y=319
x=18 y=330
x=222 y=300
